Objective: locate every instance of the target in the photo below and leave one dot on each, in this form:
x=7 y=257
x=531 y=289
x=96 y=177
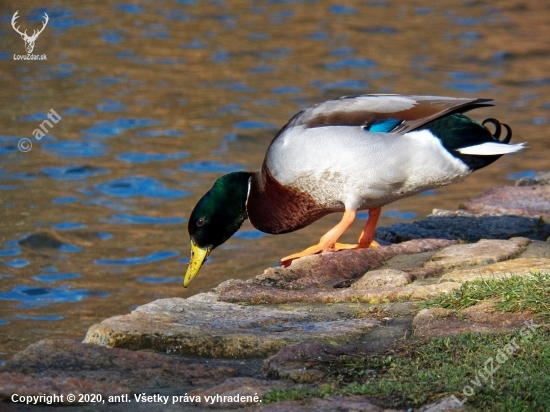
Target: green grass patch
x=504 y=372
x=512 y=294
x=423 y=371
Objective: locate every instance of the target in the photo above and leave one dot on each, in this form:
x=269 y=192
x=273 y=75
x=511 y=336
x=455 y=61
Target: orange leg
x=367 y=235
x=328 y=240
x=366 y=239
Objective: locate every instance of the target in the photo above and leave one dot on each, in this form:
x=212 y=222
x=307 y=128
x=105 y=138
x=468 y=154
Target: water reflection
x=36 y=297
x=137 y=157
x=73 y=172
x=139 y=186
x=211 y=167
x=128 y=219
x=52 y=278
x=157 y=100
x=138 y=260
x=75 y=149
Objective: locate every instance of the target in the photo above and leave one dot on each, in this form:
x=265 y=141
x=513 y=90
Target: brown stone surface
x=328 y=269
x=532 y=201
x=482 y=252
x=235 y=388
x=517 y=267
x=305 y=362
x=537 y=249
x=383 y=278
x=319 y=278
x=298 y=363
x=480 y=318
x=254 y=294
x=377 y=285
x=36 y=385
x=64 y=366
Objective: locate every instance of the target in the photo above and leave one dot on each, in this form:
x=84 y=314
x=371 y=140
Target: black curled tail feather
x=498 y=130
x=457 y=131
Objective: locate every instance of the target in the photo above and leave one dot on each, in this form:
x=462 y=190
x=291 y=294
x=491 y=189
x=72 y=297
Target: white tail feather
x=489 y=149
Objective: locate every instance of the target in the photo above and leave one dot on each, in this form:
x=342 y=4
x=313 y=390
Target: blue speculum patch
x=383 y=126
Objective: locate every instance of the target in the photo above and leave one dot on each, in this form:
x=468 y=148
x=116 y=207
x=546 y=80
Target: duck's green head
x=217 y=216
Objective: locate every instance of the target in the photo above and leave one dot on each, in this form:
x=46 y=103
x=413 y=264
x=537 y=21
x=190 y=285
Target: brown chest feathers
x=274 y=208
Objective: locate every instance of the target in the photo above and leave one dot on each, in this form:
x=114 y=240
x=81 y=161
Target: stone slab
x=483 y=252
x=531 y=201
x=518 y=267
x=383 y=278
x=303 y=363
x=201 y=326
x=481 y=318
x=255 y=294
x=325 y=278
x=333 y=269
x=62 y=366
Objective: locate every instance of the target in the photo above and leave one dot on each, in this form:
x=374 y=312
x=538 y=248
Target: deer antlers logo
x=29 y=40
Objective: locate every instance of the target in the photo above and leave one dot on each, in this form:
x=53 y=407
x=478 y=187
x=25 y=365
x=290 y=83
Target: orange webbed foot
x=328 y=241
x=312 y=250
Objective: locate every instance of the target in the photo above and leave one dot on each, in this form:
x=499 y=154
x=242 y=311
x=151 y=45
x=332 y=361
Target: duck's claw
x=312 y=250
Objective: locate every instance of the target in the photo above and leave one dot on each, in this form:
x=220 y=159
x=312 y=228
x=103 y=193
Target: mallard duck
x=345 y=155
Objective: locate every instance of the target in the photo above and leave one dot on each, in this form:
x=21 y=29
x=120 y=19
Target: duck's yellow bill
x=198 y=256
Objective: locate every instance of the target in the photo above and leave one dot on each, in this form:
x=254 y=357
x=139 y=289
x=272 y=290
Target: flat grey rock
x=483 y=252
x=202 y=326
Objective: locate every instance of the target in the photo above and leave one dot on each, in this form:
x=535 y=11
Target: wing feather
x=365 y=110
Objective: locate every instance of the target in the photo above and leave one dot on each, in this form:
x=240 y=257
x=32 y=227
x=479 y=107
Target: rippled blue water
x=137 y=157
x=157 y=100
x=35 y=297
x=75 y=149
x=125 y=219
x=139 y=260
x=211 y=167
x=140 y=186
x=73 y=172
x=52 y=278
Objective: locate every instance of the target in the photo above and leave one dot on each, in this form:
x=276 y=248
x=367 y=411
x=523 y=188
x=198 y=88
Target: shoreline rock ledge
x=272 y=331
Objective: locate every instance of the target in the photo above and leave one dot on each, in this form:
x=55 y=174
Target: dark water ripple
x=138 y=260
x=35 y=297
x=136 y=186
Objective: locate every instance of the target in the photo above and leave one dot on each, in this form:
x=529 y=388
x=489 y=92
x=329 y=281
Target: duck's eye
x=199 y=222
